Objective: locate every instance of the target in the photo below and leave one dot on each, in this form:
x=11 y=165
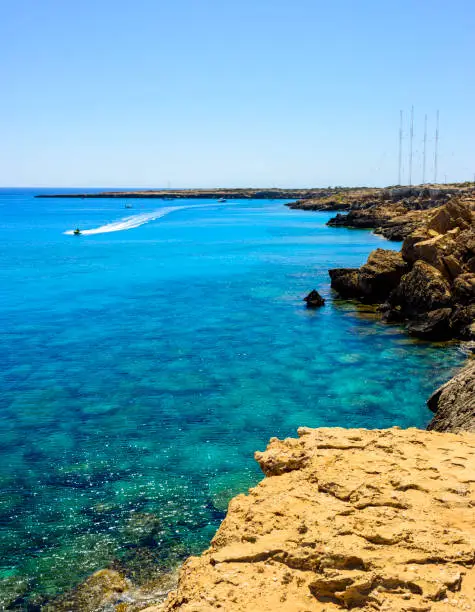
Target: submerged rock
x=378 y=520
x=314 y=299
x=101 y=589
x=454 y=403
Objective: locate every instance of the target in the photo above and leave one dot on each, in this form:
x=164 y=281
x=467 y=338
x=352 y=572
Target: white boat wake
x=129 y=222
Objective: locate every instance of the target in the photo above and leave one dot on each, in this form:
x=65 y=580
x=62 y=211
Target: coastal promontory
x=430 y=285
x=345 y=518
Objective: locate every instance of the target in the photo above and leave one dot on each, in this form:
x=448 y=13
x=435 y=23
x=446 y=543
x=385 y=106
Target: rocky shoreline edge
x=344 y=518
x=352 y=518
x=350 y=199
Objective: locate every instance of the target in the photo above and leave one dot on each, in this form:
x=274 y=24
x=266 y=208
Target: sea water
x=144 y=362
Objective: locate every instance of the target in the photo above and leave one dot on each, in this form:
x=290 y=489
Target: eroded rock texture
x=430 y=284
x=454 y=403
x=372 y=520
x=395 y=212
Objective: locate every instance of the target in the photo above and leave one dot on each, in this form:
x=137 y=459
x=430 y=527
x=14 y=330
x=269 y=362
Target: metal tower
x=411 y=138
x=424 y=152
x=436 y=148
x=400 y=148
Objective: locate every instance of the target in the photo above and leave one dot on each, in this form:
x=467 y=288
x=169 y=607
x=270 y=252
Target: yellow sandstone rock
x=365 y=519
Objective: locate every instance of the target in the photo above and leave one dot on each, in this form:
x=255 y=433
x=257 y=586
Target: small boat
x=77 y=232
x=222 y=200
x=128 y=206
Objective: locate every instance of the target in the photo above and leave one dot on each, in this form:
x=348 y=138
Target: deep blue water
x=142 y=368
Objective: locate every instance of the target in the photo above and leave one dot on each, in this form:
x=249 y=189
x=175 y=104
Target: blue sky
x=223 y=93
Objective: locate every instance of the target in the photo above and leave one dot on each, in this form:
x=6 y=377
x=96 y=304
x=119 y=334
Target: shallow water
x=142 y=367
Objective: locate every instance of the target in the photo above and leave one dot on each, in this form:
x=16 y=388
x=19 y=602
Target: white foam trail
x=138 y=220
x=129 y=222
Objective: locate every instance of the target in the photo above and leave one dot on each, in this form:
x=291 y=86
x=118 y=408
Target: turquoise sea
x=144 y=363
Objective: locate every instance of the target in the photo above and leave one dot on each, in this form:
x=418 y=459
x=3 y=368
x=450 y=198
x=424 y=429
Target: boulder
x=434 y=250
x=103 y=588
x=464 y=288
x=471 y=265
x=423 y=289
x=454 y=403
x=375 y=280
x=381 y=273
x=462 y=322
x=433 y=325
x=453 y=214
x=345 y=281
x=314 y=299
x=407 y=250
x=452 y=266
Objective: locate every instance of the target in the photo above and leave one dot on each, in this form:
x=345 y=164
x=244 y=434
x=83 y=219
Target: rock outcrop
x=371 y=520
x=109 y=590
x=393 y=212
x=375 y=280
x=393 y=222
x=430 y=285
x=314 y=299
x=454 y=403
x=103 y=588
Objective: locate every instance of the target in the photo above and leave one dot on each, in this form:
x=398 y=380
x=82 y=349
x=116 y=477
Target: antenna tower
x=436 y=149
x=424 y=153
x=400 y=148
x=410 y=145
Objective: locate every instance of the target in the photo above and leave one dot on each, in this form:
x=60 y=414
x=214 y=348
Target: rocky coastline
x=392 y=212
x=352 y=518
x=345 y=518
x=430 y=284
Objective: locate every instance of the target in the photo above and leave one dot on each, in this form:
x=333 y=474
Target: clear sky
x=203 y=93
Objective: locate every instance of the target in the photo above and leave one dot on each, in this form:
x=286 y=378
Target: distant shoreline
x=247 y=193
x=226 y=193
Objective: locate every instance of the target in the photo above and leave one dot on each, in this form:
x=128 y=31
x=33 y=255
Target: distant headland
x=331 y=198
x=226 y=193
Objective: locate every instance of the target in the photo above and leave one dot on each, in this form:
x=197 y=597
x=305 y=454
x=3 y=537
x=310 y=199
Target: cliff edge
x=366 y=519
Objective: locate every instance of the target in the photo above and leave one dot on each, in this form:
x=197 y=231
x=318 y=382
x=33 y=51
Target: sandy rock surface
x=371 y=519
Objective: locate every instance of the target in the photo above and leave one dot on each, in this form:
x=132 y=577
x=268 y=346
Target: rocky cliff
x=393 y=212
x=430 y=284
x=454 y=402
x=373 y=520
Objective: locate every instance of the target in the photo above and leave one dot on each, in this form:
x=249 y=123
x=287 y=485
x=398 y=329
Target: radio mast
x=400 y=148
x=424 y=152
x=411 y=138
x=436 y=149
